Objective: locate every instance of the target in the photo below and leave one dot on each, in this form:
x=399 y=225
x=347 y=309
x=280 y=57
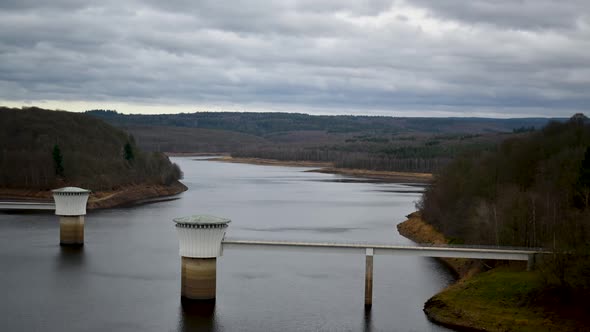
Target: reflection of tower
x=200 y=244
x=70 y=206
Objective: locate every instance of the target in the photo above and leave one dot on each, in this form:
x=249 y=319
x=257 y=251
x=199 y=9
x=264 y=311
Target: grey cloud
x=299 y=55
x=509 y=14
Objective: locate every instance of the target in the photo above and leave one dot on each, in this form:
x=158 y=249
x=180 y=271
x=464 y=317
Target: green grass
x=503 y=299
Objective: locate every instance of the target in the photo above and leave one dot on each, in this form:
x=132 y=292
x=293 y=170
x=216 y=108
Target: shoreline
x=197 y=154
x=504 y=298
x=328 y=168
x=270 y=162
x=102 y=199
x=417 y=230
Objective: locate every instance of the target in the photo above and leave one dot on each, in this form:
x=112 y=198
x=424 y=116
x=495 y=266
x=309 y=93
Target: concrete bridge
x=498 y=253
x=26 y=205
x=372 y=249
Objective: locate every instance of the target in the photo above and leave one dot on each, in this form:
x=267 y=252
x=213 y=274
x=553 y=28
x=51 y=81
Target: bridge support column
x=70 y=206
x=369 y=278
x=530 y=264
x=200 y=244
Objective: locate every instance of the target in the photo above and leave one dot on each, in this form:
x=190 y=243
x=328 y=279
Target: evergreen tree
x=128 y=150
x=583 y=184
x=58 y=161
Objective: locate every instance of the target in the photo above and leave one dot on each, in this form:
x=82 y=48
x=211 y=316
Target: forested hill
x=262 y=124
x=365 y=142
x=530 y=191
x=43 y=149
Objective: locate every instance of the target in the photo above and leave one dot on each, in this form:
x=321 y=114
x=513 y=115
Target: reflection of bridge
x=369 y=250
x=26 y=205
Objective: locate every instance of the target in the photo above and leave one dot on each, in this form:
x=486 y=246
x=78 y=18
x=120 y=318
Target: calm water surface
x=127 y=276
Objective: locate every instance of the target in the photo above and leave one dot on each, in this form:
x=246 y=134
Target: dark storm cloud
x=358 y=56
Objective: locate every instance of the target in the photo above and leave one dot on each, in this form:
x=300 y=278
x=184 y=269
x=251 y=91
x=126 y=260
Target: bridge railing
x=366 y=244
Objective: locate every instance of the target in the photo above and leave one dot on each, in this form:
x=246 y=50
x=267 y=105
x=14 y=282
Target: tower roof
x=201 y=220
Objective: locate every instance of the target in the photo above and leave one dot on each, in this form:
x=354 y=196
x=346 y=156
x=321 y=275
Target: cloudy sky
x=404 y=58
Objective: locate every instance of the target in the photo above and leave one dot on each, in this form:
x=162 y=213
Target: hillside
x=357 y=142
x=43 y=149
x=184 y=139
x=530 y=191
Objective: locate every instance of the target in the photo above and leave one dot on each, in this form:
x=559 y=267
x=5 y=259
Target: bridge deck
x=384 y=249
x=25 y=205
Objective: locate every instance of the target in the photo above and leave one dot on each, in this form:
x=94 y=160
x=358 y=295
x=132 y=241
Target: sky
x=503 y=58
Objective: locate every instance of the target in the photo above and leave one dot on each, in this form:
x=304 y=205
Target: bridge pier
x=70 y=206
x=531 y=262
x=200 y=244
x=369 y=278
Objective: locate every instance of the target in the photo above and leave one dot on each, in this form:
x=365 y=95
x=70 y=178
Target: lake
x=127 y=276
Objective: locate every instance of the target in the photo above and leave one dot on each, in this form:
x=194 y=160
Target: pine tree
x=58 y=161
x=129 y=155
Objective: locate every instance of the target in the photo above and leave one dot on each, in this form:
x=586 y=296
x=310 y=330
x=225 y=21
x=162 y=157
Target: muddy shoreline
x=327 y=167
x=102 y=199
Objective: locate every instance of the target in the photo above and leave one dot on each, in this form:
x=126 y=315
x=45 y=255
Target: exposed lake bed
x=127 y=275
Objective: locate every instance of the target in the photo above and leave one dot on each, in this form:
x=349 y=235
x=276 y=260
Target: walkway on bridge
x=7 y=205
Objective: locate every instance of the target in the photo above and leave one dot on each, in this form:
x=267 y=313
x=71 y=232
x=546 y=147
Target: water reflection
x=70 y=257
x=367 y=320
x=197 y=316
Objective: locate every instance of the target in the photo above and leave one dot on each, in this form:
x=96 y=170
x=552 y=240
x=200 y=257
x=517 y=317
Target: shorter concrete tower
x=70 y=206
x=200 y=244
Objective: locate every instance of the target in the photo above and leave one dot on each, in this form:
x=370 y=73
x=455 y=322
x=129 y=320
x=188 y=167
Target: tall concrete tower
x=70 y=206
x=200 y=244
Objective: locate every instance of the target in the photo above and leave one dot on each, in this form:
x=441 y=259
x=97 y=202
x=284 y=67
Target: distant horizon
x=188 y=110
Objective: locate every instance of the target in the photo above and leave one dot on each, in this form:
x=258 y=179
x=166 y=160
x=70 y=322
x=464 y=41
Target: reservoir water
x=127 y=276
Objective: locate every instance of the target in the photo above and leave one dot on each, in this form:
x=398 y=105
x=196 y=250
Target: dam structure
x=70 y=206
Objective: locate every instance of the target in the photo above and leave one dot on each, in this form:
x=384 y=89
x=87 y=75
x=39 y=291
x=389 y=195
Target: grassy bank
x=505 y=298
